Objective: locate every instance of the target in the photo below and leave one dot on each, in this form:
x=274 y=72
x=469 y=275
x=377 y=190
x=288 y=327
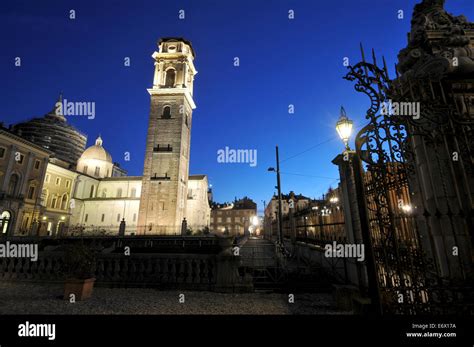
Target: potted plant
x=79 y=264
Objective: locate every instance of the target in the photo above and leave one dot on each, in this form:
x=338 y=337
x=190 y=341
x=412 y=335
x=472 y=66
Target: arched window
x=133 y=193
x=166 y=112
x=119 y=193
x=13 y=185
x=104 y=193
x=170 y=77
x=5 y=219
x=64 y=202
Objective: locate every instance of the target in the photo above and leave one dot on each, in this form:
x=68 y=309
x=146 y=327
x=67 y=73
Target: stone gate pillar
x=356 y=270
x=435 y=74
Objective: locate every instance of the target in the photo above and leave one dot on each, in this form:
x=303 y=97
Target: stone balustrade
x=188 y=271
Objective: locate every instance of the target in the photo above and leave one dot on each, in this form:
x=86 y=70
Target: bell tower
x=166 y=167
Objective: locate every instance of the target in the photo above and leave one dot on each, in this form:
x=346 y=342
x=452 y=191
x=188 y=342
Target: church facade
x=93 y=196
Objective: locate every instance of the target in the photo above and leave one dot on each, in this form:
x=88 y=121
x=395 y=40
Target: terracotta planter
x=82 y=289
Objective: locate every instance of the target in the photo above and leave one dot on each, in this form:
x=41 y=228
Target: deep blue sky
x=282 y=62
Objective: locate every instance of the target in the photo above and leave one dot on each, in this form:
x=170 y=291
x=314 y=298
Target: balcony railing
x=160 y=178
x=167 y=148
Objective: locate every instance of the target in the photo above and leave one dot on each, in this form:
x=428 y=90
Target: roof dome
x=54 y=133
x=97 y=152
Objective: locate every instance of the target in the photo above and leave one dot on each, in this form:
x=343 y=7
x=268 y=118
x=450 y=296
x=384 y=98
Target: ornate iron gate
x=404 y=214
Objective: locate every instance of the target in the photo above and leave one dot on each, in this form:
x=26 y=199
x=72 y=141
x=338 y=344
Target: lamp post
x=280 y=226
x=305 y=230
x=344 y=129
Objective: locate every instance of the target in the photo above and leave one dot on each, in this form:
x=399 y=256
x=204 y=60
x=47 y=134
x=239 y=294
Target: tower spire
x=58 y=111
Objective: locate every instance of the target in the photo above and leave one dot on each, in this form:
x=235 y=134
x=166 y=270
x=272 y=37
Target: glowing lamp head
x=255 y=221
x=344 y=127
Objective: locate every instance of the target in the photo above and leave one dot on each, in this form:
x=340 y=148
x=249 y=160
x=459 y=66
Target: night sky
x=282 y=62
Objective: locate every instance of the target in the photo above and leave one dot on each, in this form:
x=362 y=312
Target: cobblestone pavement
x=33 y=298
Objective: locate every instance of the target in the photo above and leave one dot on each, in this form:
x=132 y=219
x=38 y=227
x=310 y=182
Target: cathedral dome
x=96 y=161
x=97 y=152
x=54 y=133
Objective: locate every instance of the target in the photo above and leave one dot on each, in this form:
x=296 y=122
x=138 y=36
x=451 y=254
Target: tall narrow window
x=64 y=202
x=31 y=192
x=44 y=197
x=119 y=193
x=170 y=77
x=133 y=193
x=92 y=191
x=13 y=185
x=166 y=112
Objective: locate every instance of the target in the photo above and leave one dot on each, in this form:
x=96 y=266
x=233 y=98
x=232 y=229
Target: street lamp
x=344 y=128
